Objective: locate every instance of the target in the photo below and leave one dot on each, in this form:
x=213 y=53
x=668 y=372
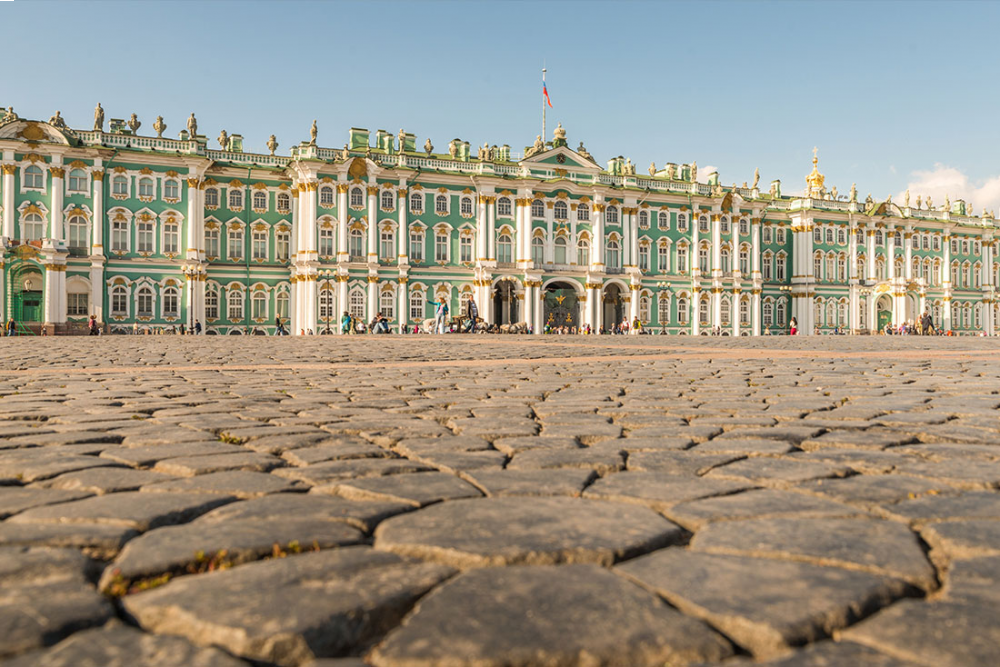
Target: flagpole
x=543 y=106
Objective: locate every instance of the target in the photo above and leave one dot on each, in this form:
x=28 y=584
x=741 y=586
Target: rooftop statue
x=313 y=133
x=133 y=123
x=192 y=126
x=159 y=126
x=538 y=147
x=694 y=171
x=652 y=168
x=671 y=171
x=629 y=168
x=453 y=148
x=583 y=151
x=10 y=116
x=98 y=118
x=428 y=146
x=57 y=121
x=869 y=201
x=833 y=192
x=929 y=203
x=947 y=203
x=484 y=151
x=272 y=144
x=918 y=202
x=402 y=139
x=492 y=155
x=854 y=192
x=906 y=198
x=224 y=140
x=756 y=177
x=559 y=132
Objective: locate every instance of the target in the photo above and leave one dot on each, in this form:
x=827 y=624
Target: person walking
x=279 y=328
x=472 y=312
x=92 y=326
x=345 y=323
x=11 y=327
x=793 y=327
x=197 y=327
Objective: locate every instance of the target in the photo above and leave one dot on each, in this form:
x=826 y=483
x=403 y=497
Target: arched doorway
x=614 y=306
x=26 y=287
x=883 y=308
x=505 y=310
x=561 y=305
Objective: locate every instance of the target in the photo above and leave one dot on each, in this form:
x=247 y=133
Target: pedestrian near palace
x=440 y=315
x=472 y=312
x=793 y=327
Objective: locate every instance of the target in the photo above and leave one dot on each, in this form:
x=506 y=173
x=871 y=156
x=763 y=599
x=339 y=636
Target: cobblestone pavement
x=499 y=501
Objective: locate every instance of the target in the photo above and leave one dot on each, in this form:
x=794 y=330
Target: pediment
x=562 y=157
x=35 y=131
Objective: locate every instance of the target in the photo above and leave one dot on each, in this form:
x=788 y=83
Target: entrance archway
x=505 y=310
x=561 y=305
x=883 y=308
x=27 y=287
x=614 y=306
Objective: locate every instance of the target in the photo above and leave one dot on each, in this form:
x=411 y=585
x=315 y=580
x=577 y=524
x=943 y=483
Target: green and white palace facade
x=150 y=232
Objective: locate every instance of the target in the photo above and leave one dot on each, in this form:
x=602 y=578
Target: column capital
x=9 y=169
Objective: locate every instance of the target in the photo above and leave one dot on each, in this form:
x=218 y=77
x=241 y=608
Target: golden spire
x=815 y=179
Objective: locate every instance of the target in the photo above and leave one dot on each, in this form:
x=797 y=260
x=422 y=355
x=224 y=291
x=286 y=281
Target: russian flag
x=545 y=92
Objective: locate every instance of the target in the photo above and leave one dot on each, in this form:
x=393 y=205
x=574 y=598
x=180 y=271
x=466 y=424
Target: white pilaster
x=8 y=212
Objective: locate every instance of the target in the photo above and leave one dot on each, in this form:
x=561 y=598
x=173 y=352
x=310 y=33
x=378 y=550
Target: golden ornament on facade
x=32 y=132
x=10 y=169
x=57 y=172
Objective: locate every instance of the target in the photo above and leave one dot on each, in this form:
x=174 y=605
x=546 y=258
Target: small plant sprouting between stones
x=231 y=439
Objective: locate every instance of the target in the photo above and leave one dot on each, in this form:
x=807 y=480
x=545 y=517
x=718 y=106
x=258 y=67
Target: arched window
x=144 y=236
x=465 y=206
x=583 y=213
x=842 y=313
x=504 y=248
x=387 y=304
x=33 y=177
x=119 y=301
x=768 y=235
x=357 y=198
x=744 y=227
x=841 y=237
x=171 y=302
x=281 y=305
x=878 y=237
x=144 y=302
x=560 y=210
x=284 y=202
x=817 y=234
x=682 y=310
x=235 y=305
x=663 y=310
x=744 y=311
x=560 y=250
x=260 y=199
x=32 y=227
x=682 y=222
x=767 y=266
x=212 y=198
x=356 y=303
x=235 y=199
x=356 y=245
x=725 y=260
x=326 y=312
x=830 y=268
x=744 y=260
x=682 y=259
x=767 y=311
x=119 y=186
x=77 y=180
x=387 y=244
x=416 y=305
x=725 y=310
x=782 y=237
x=644 y=257
x=644 y=308
x=663 y=221
x=416 y=203
x=78 y=232
x=211 y=305
x=779 y=269
x=258 y=305
x=703 y=259
x=537 y=209
x=780 y=313
x=643 y=219
x=503 y=206
x=441 y=204
x=613 y=251
x=537 y=250
x=829 y=235
x=171 y=238
x=611 y=216
x=724 y=227
x=171 y=189
x=583 y=252
x=325 y=196
x=146 y=188
x=703 y=224
x=388 y=200
x=842 y=267
x=703 y=311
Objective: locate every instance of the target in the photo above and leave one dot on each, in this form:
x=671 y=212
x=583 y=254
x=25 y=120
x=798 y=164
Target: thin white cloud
x=705 y=172
x=943 y=181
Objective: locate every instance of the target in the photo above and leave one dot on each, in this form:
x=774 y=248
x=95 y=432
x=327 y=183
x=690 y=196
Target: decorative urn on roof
x=815 y=180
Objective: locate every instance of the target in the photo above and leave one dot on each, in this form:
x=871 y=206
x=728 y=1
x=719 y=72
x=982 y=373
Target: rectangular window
x=326 y=243
x=236 y=245
x=465 y=249
x=76 y=304
x=282 y=249
x=416 y=247
x=119 y=236
x=170 y=239
x=416 y=306
x=144 y=237
x=644 y=259
x=212 y=243
x=387 y=243
x=260 y=245
x=441 y=247
x=211 y=305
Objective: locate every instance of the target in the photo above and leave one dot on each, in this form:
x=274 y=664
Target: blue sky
x=894 y=94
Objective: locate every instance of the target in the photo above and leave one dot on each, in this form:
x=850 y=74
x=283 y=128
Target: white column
x=482 y=231
x=404 y=304
x=693 y=255
x=890 y=243
x=550 y=247
x=755 y=312
x=755 y=249
x=56 y=214
x=372 y=298
x=55 y=293
x=307 y=284
x=908 y=254
x=195 y=215
x=342 y=299
x=626 y=252
x=307 y=222
x=734 y=313
x=8 y=200
x=597 y=244
x=293 y=237
x=633 y=311
x=695 y=310
x=523 y=222
x=373 y=226
x=342 y=249
x=539 y=310
x=402 y=202
x=716 y=246
x=871 y=254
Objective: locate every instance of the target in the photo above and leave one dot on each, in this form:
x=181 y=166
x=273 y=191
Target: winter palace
x=145 y=231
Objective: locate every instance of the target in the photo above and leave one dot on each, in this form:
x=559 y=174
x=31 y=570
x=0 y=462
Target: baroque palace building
x=146 y=231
